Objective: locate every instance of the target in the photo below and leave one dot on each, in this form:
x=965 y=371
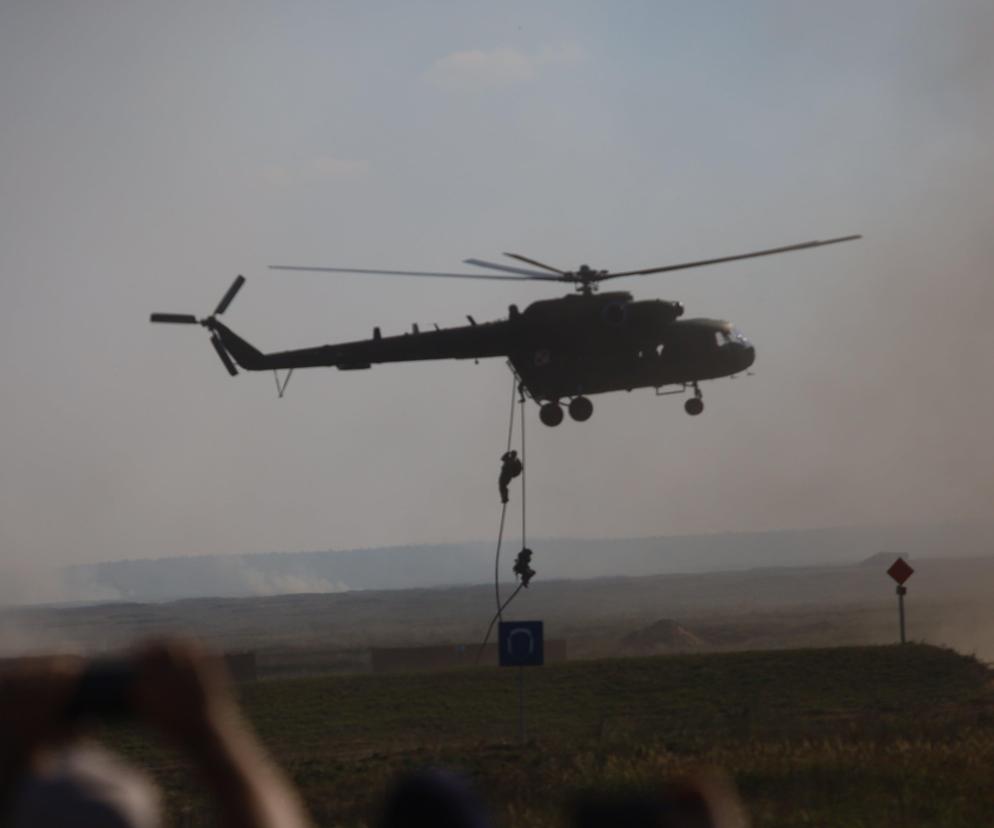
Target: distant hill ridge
x=405 y=567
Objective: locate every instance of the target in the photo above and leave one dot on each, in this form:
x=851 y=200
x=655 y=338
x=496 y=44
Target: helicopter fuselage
x=560 y=348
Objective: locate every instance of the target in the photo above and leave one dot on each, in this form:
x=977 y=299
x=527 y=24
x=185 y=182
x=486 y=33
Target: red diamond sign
x=900 y=571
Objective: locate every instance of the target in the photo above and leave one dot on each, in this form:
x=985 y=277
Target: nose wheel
x=695 y=405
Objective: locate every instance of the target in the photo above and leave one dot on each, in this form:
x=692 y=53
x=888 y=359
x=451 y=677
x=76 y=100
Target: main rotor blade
x=221 y=352
x=525 y=259
x=531 y=274
x=236 y=286
x=772 y=251
x=174 y=318
x=400 y=272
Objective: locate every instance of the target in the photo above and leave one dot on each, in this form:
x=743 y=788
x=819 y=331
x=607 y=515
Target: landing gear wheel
x=694 y=406
x=580 y=409
x=551 y=414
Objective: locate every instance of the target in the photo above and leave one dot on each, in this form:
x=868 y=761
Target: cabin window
x=651 y=352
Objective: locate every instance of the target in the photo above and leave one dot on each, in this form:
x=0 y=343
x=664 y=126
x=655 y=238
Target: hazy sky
x=151 y=151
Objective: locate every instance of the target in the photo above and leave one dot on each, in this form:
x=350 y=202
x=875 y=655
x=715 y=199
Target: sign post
x=521 y=645
x=521 y=705
x=900 y=571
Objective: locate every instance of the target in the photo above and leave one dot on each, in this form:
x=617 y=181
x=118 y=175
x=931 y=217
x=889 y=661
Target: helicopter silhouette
x=562 y=349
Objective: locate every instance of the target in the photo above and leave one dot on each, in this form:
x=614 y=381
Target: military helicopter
x=563 y=349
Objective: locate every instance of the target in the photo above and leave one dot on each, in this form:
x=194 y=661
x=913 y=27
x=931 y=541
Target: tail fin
x=247 y=356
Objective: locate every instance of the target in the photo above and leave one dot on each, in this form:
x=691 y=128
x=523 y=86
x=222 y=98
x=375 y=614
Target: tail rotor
x=230 y=294
x=223 y=354
x=176 y=318
x=208 y=322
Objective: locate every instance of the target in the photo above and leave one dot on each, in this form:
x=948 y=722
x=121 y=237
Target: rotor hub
x=586 y=279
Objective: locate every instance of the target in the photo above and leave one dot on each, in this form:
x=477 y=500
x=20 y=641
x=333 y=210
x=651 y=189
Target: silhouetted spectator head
x=433 y=799
x=85 y=787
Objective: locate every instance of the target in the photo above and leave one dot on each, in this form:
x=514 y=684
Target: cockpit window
x=738 y=336
x=730 y=337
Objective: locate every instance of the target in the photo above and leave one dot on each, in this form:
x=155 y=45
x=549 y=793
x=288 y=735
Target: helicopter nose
x=748 y=355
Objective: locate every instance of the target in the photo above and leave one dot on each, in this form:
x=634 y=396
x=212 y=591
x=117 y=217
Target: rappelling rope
x=493 y=621
x=499 y=615
x=503 y=507
x=524 y=471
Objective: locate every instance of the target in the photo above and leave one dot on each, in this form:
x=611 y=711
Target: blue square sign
x=521 y=644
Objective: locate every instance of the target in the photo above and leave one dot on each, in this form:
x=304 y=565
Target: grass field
x=836 y=737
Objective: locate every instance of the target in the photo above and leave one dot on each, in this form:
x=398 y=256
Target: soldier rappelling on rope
x=522 y=567
x=510 y=468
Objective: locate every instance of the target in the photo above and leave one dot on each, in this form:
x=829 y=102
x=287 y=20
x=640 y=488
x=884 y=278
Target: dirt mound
x=663 y=636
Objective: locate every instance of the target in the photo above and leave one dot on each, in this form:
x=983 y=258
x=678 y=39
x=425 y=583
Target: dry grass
x=838 y=737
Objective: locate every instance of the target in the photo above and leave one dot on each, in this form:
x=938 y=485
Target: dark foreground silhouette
x=52 y=775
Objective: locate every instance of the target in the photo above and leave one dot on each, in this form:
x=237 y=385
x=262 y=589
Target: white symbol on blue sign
x=521 y=644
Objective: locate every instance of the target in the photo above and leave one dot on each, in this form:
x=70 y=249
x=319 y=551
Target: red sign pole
x=900 y=571
x=901 y=592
